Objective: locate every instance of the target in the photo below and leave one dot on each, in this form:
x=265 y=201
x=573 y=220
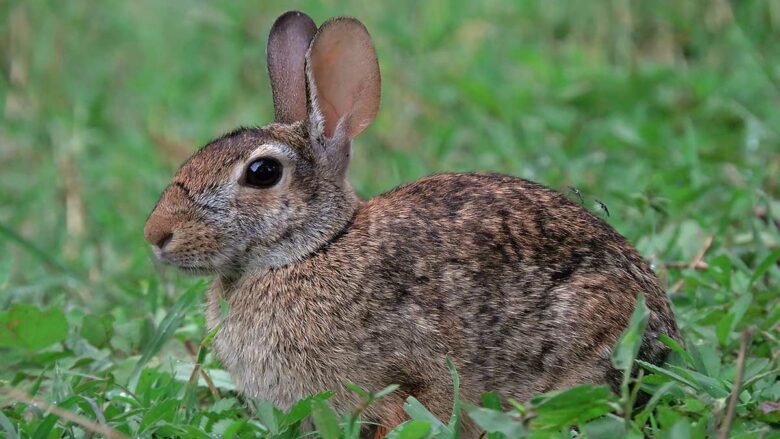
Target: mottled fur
x=524 y=289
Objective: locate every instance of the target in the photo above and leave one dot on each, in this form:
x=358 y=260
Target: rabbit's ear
x=343 y=78
x=287 y=45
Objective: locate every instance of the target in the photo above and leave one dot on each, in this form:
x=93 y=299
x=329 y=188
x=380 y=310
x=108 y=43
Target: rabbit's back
x=524 y=289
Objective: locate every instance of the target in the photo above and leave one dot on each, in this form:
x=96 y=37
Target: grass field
x=667 y=112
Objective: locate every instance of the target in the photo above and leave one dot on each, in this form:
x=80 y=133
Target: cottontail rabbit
x=525 y=290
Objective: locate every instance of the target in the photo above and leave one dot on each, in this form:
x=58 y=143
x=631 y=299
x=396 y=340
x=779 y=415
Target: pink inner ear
x=332 y=103
x=346 y=73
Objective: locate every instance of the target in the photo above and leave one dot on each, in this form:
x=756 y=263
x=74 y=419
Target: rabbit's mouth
x=193 y=270
x=196 y=271
x=200 y=265
x=187 y=267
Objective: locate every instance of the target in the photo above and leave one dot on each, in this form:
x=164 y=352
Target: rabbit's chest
x=274 y=354
x=260 y=362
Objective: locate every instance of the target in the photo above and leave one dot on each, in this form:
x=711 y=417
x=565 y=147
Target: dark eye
x=263 y=172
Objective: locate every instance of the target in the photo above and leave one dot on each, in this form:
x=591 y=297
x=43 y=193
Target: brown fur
x=524 y=289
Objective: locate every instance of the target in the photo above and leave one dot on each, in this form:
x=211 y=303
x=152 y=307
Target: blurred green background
x=666 y=111
x=673 y=105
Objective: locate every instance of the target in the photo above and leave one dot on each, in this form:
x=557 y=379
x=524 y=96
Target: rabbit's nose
x=164 y=240
x=158 y=230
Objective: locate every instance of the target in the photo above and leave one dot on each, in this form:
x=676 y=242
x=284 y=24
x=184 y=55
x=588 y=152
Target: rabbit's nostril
x=166 y=238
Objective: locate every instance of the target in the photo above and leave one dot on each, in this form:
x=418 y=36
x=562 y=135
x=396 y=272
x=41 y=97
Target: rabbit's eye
x=263 y=172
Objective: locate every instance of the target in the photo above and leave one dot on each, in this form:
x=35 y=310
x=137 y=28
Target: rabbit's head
x=269 y=196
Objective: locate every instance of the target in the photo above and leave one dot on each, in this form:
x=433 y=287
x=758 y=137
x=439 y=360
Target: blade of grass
x=39 y=254
x=165 y=331
x=456 y=411
x=10 y=433
x=88 y=424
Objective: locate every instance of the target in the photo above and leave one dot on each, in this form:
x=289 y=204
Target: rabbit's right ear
x=342 y=74
x=287 y=45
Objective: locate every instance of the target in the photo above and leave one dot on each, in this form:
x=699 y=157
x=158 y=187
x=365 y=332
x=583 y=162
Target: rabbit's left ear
x=342 y=74
x=286 y=54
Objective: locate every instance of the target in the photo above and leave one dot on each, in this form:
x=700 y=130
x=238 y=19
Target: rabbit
x=521 y=287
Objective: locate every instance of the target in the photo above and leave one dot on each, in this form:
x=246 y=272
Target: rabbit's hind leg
x=385 y=415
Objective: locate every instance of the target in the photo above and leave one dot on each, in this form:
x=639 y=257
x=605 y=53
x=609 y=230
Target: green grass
x=666 y=111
